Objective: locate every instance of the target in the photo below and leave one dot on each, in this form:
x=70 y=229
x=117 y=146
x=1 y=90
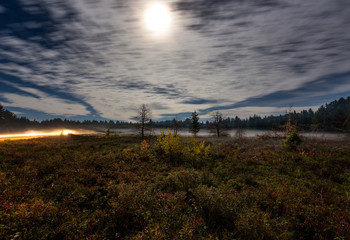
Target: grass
x=118 y=187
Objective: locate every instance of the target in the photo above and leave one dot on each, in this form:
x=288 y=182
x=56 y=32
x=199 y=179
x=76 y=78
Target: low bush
x=293 y=140
x=89 y=187
x=173 y=149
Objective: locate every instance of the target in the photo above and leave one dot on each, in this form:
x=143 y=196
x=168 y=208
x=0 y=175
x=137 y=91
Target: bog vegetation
x=112 y=187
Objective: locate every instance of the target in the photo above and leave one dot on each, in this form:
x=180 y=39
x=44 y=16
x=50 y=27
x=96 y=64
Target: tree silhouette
x=144 y=117
x=194 y=126
x=217 y=122
x=5 y=114
x=175 y=125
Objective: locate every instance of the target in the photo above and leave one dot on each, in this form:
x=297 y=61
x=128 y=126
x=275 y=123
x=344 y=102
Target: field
x=120 y=187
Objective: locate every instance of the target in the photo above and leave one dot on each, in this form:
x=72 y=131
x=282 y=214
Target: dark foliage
x=88 y=187
x=333 y=116
x=194 y=125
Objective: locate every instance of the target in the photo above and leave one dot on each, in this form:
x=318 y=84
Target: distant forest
x=334 y=116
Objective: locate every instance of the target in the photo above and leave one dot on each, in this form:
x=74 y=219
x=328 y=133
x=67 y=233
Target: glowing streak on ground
x=33 y=134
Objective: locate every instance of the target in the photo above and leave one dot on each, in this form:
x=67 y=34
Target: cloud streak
x=97 y=59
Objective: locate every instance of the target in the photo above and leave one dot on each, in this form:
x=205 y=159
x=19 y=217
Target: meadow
x=167 y=187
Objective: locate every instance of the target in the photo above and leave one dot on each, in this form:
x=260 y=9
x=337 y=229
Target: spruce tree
x=194 y=126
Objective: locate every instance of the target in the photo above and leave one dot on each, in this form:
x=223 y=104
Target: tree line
x=334 y=116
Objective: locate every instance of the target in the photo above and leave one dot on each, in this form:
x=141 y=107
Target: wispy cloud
x=2 y=9
x=44 y=103
x=97 y=58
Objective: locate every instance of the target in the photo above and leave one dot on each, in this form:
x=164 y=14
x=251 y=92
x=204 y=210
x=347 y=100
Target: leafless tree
x=289 y=125
x=217 y=122
x=239 y=132
x=144 y=117
x=175 y=126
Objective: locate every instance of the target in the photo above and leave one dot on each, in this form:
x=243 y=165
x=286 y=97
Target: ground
x=121 y=187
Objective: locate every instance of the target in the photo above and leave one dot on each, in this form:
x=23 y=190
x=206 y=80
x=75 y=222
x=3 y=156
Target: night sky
x=87 y=59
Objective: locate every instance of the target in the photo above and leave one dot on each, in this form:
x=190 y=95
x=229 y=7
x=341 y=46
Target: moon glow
x=157 y=18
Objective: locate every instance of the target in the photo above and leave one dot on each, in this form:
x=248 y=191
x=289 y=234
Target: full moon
x=157 y=18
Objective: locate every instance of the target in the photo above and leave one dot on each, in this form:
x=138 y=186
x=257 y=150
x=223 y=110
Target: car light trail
x=34 y=134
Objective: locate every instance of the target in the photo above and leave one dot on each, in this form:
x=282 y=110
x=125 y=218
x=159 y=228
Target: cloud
x=44 y=103
x=158 y=106
x=317 y=91
x=311 y=94
x=198 y=101
x=293 y=39
x=217 y=54
x=2 y=9
x=41 y=101
x=218 y=10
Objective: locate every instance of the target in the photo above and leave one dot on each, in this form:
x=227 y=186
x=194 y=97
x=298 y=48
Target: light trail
x=35 y=134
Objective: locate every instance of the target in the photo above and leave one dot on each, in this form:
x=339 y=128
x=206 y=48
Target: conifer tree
x=194 y=126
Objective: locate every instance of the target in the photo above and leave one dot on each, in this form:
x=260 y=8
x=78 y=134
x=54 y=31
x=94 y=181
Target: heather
x=170 y=187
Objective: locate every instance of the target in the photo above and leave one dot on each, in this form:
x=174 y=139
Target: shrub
x=92 y=187
x=186 y=180
x=129 y=154
x=183 y=180
x=217 y=207
x=293 y=140
x=169 y=147
x=172 y=149
x=144 y=151
x=196 y=152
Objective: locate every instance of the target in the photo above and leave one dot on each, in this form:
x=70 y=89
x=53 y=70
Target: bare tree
x=175 y=124
x=289 y=125
x=239 y=132
x=144 y=117
x=217 y=122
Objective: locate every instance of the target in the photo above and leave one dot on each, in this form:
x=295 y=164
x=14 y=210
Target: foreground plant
x=293 y=140
x=87 y=187
x=173 y=149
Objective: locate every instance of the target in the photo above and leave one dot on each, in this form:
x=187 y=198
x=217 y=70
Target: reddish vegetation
x=87 y=187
